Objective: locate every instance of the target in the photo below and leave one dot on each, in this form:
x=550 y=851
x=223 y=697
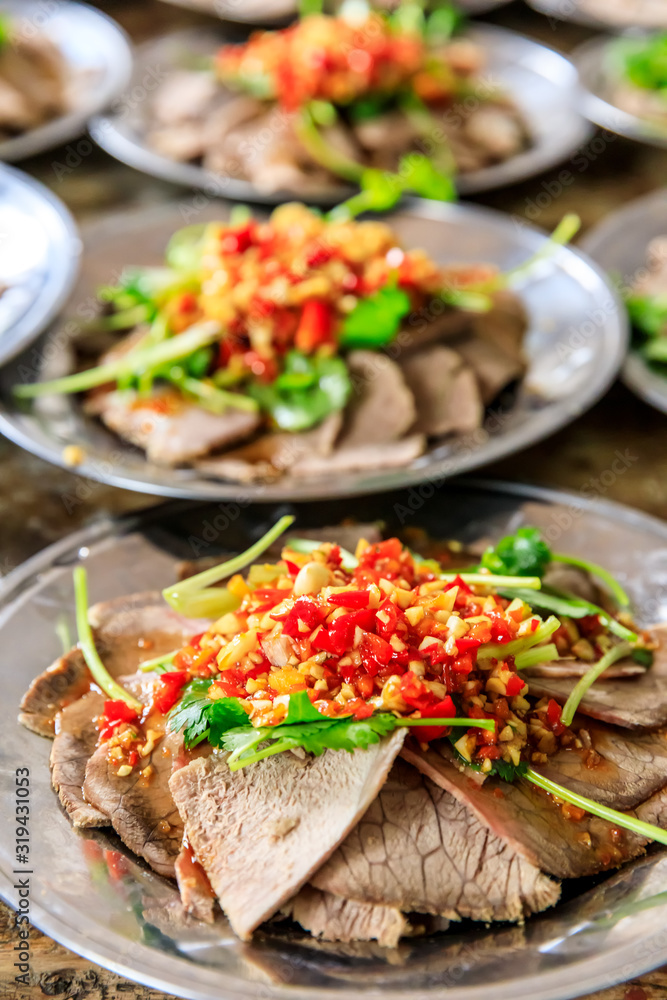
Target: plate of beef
x=58 y=66
x=343 y=758
x=308 y=355
x=289 y=113
x=631 y=244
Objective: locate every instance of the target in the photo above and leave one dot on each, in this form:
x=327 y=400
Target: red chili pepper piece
x=315 y=326
x=169 y=689
x=515 y=686
x=351 y=599
x=554 y=713
x=445 y=709
x=115 y=712
x=305 y=611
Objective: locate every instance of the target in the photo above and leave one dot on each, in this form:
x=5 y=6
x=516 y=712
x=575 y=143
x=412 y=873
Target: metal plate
x=598 y=82
x=39 y=259
x=623 y=13
x=97 y=53
x=575 y=344
x=260 y=12
x=619 y=245
x=605 y=934
x=541 y=82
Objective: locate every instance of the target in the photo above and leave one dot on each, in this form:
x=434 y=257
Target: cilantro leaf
x=523 y=554
x=190 y=714
x=307 y=391
x=375 y=319
x=301 y=709
x=507 y=771
x=225 y=714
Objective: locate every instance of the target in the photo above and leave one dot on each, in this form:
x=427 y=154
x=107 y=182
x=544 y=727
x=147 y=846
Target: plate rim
x=64 y=128
x=381 y=479
x=634 y=364
x=138 y=155
x=584 y=976
x=550 y=8
x=43 y=311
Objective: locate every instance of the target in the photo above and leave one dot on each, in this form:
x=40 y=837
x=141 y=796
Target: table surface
x=579 y=458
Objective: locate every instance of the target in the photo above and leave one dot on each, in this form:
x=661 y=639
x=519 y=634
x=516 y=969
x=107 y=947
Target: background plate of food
x=313 y=357
x=624 y=85
x=496 y=108
x=39 y=259
x=277 y=11
x=59 y=65
x=615 y=15
x=631 y=245
x=91 y=892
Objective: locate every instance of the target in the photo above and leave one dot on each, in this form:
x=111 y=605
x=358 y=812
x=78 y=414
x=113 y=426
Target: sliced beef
x=577 y=668
x=419 y=849
x=632 y=702
x=494 y=368
x=382 y=407
x=526 y=819
x=617 y=768
x=654 y=810
x=64 y=681
x=572 y=580
x=194 y=887
x=504 y=325
x=261 y=832
x=139 y=806
x=185 y=95
x=392 y=132
x=74 y=744
x=273 y=454
x=390 y=455
x=127 y=630
x=445 y=390
x=170 y=429
x=420 y=331
x=333 y=918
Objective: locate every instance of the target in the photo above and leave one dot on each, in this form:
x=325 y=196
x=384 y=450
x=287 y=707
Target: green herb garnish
x=111 y=688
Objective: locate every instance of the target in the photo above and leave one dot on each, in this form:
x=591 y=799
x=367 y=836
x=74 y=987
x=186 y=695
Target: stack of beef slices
x=434 y=382
x=371 y=846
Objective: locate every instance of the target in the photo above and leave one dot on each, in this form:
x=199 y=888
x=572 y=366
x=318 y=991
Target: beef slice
x=531 y=823
x=418 y=848
x=333 y=918
x=261 y=832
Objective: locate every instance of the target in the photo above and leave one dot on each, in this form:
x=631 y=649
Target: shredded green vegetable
x=194 y=596
x=621 y=819
x=614 y=586
x=584 y=683
x=101 y=675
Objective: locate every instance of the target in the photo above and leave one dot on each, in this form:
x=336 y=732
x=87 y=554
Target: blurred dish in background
x=264 y=13
x=631 y=244
x=559 y=382
x=625 y=85
x=515 y=116
x=39 y=259
x=60 y=63
x=615 y=15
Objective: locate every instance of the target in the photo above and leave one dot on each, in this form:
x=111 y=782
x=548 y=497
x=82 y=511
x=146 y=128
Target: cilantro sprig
x=224 y=723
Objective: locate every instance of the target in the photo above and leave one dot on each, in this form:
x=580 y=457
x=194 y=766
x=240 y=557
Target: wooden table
x=33 y=513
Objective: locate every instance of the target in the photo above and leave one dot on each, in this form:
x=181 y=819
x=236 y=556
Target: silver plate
x=575 y=344
x=541 y=82
x=619 y=245
x=258 y=12
x=98 y=57
x=642 y=13
x=598 y=82
x=603 y=935
x=39 y=259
